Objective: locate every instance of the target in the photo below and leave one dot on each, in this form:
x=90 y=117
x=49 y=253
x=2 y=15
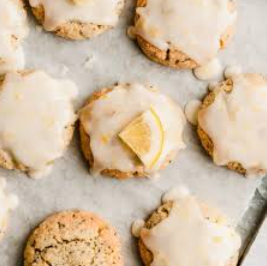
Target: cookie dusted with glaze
x=130 y=130
x=232 y=124
x=187 y=232
x=75 y=238
x=183 y=33
x=36 y=121
x=77 y=19
x=8 y=202
x=13 y=30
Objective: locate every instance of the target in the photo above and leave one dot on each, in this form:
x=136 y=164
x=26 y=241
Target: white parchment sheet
x=257 y=252
x=114 y=57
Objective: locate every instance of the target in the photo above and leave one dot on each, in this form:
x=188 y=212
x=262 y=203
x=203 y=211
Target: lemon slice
x=145 y=136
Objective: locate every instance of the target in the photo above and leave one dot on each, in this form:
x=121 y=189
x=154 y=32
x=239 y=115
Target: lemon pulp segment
x=145 y=137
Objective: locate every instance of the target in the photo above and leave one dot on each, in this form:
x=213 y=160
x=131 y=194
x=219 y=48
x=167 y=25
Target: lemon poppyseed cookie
x=187 y=232
x=74 y=238
x=183 y=33
x=36 y=120
x=77 y=19
x=13 y=29
x=8 y=202
x=232 y=124
x=130 y=130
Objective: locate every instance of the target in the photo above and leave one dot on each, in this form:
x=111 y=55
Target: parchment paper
x=257 y=252
x=115 y=57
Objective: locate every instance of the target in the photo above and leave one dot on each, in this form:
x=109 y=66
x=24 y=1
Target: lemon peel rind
x=161 y=140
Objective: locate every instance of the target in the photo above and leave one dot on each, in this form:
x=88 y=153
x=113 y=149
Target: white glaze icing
x=8 y=202
x=105 y=118
x=191 y=111
x=137 y=225
x=13 y=29
x=99 y=12
x=175 y=193
x=194 y=27
x=35 y=109
x=187 y=238
x=213 y=85
x=209 y=71
x=233 y=70
x=236 y=123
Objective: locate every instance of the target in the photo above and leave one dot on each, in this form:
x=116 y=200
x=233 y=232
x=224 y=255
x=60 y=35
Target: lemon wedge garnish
x=145 y=137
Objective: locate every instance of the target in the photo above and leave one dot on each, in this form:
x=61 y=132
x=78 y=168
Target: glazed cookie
x=232 y=124
x=169 y=32
x=77 y=19
x=36 y=121
x=130 y=130
x=13 y=29
x=8 y=202
x=74 y=238
x=187 y=232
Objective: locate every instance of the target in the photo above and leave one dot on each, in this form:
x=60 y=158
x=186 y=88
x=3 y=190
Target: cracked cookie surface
x=73 y=238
